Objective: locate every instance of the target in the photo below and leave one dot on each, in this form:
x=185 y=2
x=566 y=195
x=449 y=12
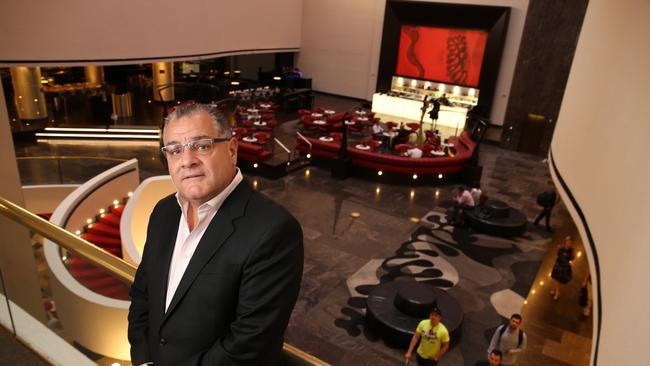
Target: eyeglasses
x=201 y=146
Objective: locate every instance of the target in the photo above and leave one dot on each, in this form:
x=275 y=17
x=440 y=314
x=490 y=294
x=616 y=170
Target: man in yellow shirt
x=434 y=340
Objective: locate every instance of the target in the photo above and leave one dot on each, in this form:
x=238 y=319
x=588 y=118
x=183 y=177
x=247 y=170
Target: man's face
x=515 y=323
x=435 y=318
x=495 y=360
x=198 y=177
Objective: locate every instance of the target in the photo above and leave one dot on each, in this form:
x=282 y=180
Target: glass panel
x=6 y=318
x=54 y=170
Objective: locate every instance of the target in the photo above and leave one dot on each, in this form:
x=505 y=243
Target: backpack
x=547 y=199
x=520 y=335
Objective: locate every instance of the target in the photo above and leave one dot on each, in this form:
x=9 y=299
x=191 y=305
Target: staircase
x=105 y=233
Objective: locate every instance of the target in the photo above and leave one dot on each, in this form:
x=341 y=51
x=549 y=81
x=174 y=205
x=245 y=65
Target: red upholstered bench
x=319 y=148
x=464 y=148
x=405 y=164
x=252 y=153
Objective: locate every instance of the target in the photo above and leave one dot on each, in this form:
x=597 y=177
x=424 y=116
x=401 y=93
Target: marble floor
x=337 y=245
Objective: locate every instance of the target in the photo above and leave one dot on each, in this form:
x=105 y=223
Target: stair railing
x=286 y=149
x=69 y=241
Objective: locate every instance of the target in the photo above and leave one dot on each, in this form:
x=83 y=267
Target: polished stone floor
x=338 y=245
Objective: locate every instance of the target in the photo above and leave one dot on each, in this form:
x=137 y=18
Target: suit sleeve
x=139 y=309
x=268 y=291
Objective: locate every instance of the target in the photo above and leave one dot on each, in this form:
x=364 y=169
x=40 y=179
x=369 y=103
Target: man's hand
x=407 y=356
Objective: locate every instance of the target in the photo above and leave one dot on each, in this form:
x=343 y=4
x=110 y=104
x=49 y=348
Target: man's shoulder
x=261 y=206
x=166 y=203
x=441 y=328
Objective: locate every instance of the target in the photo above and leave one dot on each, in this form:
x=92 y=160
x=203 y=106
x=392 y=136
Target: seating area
x=368 y=155
x=326 y=121
x=254 y=130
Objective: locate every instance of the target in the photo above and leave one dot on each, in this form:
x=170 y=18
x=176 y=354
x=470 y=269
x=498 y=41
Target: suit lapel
x=169 y=230
x=214 y=237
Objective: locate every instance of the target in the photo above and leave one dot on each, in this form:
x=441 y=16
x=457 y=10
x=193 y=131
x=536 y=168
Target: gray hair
x=219 y=121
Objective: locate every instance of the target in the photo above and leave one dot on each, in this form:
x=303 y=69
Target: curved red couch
x=464 y=145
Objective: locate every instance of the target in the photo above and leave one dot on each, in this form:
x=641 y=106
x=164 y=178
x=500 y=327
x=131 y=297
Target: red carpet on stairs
x=105 y=230
x=106 y=235
x=111 y=219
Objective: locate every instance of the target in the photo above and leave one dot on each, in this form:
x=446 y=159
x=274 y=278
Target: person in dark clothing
x=562 y=273
x=547 y=200
x=433 y=114
x=444 y=101
x=494 y=359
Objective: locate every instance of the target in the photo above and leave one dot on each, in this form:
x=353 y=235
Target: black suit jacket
x=234 y=300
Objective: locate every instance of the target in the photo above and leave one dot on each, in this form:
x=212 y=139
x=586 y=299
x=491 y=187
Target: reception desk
x=410 y=109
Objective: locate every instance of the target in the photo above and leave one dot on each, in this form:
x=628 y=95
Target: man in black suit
x=222 y=264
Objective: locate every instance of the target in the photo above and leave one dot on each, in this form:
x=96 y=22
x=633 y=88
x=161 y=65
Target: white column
x=94 y=74
x=28 y=97
x=163 y=77
x=16 y=254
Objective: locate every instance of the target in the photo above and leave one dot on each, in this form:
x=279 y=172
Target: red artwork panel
x=447 y=55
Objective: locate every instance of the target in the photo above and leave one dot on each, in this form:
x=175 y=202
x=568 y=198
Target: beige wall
x=601 y=150
x=122 y=29
x=341 y=42
x=340 y=45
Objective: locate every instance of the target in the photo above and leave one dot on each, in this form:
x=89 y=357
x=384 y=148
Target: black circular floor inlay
x=498 y=208
x=395 y=308
x=497 y=218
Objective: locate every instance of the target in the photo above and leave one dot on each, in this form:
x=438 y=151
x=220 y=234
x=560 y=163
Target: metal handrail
x=304 y=138
x=283 y=147
x=295 y=356
x=119 y=268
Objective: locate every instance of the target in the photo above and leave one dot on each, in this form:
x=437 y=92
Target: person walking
x=547 y=200
x=494 y=359
x=509 y=339
x=561 y=273
x=433 y=337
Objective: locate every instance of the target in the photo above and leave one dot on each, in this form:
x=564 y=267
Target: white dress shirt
x=187 y=241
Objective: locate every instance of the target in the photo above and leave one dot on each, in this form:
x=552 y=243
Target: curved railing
x=77 y=305
x=69 y=241
x=135 y=218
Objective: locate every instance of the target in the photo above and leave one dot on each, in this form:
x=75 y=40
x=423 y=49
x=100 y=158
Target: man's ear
x=161 y=154
x=232 y=149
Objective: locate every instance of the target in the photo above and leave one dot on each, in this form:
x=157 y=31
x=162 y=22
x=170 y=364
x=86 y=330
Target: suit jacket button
x=163 y=341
